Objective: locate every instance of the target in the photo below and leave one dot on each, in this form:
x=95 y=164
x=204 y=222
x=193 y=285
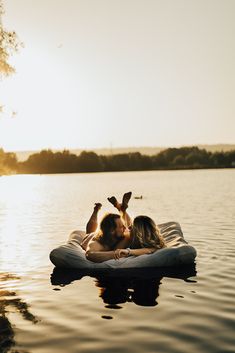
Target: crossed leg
x=122 y=207
x=92 y=224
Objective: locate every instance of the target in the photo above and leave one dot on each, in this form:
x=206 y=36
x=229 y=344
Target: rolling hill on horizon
x=23 y=155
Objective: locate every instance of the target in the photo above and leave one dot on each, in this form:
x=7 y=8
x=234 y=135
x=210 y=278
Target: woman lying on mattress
x=117 y=236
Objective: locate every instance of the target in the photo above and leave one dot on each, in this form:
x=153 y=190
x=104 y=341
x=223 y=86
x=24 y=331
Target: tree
x=89 y=162
x=8 y=162
x=178 y=161
x=9 y=43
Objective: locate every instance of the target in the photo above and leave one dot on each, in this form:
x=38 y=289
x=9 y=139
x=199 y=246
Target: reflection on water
x=115 y=291
x=140 y=286
x=9 y=299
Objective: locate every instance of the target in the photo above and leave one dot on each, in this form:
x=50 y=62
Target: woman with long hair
x=144 y=235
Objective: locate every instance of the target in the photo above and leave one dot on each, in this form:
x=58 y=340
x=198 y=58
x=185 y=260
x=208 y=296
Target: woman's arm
x=142 y=251
x=134 y=252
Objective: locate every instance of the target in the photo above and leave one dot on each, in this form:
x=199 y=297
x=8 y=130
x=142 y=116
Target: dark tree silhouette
x=48 y=161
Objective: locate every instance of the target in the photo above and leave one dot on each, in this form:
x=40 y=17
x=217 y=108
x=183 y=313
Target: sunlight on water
x=20 y=198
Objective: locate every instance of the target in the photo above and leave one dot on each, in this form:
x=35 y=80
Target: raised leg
x=115 y=203
x=126 y=218
x=92 y=224
x=122 y=207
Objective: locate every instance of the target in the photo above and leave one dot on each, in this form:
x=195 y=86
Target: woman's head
x=145 y=233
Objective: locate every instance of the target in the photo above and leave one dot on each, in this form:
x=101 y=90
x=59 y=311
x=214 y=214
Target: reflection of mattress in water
x=176 y=252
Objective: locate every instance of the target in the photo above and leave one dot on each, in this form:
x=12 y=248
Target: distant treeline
x=46 y=161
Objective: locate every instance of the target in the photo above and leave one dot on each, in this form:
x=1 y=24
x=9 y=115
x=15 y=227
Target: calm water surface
x=42 y=311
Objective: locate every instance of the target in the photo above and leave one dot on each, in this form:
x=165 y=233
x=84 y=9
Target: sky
x=119 y=73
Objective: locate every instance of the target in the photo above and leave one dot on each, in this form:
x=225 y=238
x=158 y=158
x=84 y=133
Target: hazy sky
x=122 y=72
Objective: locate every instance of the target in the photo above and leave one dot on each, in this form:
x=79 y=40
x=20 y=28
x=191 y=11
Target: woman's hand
x=118 y=253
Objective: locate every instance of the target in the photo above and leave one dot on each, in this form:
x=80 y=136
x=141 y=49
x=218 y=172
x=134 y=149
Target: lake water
x=43 y=311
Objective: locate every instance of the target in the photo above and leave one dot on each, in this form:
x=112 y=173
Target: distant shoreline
x=123 y=171
x=49 y=162
x=126 y=171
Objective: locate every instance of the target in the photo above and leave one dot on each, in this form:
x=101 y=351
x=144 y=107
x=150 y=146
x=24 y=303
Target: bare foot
x=125 y=200
x=97 y=206
x=114 y=202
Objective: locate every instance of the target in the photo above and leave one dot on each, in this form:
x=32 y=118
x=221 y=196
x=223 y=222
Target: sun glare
x=17 y=220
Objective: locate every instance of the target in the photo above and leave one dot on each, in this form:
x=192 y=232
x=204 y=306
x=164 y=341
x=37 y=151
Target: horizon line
x=116 y=147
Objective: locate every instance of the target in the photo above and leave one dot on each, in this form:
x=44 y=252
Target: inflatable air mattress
x=177 y=252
